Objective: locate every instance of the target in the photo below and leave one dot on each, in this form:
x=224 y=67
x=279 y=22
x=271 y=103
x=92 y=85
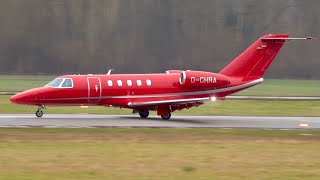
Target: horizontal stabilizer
x=289 y=39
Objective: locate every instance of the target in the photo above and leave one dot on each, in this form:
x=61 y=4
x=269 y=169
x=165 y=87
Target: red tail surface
x=255 y=60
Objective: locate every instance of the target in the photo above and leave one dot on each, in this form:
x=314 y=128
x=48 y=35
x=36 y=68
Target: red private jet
x=165 y=92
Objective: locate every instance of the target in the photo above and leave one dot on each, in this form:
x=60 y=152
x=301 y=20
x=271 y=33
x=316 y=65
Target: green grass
x=273 y=87
x=269 y=87
x=23 y=82
x=158 y=154
x=227 y=107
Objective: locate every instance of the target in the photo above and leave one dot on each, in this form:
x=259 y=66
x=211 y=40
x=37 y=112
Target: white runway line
x=133 y=121
x=17 y=116
x=303 y=125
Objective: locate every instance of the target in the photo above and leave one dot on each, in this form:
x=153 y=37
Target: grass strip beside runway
x=158 y=154
x=23 y=82
x=227 y=107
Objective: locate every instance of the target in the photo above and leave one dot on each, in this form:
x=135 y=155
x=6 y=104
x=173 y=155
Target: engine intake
x=201 y=79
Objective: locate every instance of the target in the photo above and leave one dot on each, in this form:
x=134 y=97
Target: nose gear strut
x=39 y=112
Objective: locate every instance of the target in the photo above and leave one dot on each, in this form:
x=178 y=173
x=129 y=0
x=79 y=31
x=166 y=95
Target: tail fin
x=255 y=60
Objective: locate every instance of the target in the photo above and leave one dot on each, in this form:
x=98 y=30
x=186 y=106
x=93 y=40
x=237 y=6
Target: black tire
x=39 y=113
x=144 y=114
x=166 y=116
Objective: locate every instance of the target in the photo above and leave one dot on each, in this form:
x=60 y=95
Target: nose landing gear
x=39 y=112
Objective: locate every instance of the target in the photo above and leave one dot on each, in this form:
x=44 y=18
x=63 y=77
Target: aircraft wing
x=169 y=102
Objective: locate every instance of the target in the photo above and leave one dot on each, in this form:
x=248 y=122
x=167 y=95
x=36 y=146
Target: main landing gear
x=166 y=116
x=163 y=112
x=144 y=114
x=39 y=112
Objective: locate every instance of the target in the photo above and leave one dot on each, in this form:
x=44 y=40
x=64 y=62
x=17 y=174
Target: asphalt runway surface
x=134 y=121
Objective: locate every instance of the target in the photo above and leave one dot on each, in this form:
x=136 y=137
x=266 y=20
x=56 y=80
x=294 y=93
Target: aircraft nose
x=15 y=99
x=29 y=97
x=21 y=98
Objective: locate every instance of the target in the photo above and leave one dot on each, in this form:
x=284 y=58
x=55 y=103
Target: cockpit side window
x=61 y=83
x=67 y=83
x=55 y=83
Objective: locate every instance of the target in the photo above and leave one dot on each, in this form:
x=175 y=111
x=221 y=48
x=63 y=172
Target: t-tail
x=254 y=61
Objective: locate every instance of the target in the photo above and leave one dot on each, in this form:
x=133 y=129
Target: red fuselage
x=121 y=90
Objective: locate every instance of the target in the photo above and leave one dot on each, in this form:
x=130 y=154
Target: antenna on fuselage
x=109 y=72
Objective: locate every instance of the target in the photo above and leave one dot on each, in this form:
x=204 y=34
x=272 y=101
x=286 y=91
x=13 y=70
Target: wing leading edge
x=168 y=102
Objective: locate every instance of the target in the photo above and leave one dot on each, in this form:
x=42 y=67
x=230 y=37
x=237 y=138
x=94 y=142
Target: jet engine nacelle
x=201 y=79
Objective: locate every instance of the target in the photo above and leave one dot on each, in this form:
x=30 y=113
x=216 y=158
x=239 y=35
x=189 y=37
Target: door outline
x=94 y=99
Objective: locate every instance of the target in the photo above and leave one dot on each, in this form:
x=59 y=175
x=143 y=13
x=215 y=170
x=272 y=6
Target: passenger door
x=94 y=89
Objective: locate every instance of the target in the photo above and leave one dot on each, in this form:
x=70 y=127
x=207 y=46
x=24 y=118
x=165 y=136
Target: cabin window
x=109 y=83
x=119 y=83
x=129 y=82
x=67 y=83
x=139 y=83
x=148 y=81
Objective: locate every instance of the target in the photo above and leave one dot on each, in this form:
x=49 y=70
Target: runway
x=133 y=121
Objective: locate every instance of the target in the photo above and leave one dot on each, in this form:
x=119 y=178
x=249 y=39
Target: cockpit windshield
x=55 y=83
x=67 y=83
x=61 y=83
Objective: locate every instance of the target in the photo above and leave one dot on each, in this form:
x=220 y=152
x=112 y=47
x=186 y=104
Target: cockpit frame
x=62 y=83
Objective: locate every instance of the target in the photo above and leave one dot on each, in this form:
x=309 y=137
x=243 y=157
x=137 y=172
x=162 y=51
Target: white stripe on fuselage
x=246 y=85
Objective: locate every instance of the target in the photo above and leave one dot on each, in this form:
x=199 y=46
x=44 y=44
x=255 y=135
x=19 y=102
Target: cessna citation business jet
x=165 y=92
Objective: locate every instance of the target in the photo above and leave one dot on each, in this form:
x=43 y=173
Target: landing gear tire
x=166 y=116
x=144 y=114
x=39 y=113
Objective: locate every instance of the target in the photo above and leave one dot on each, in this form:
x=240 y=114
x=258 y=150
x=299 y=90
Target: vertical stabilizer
x=255 y=60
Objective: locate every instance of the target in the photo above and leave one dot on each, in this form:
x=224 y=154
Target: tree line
x=143 y=36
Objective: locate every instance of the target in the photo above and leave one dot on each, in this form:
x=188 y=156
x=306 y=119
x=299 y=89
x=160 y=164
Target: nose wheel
x=39 y=112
